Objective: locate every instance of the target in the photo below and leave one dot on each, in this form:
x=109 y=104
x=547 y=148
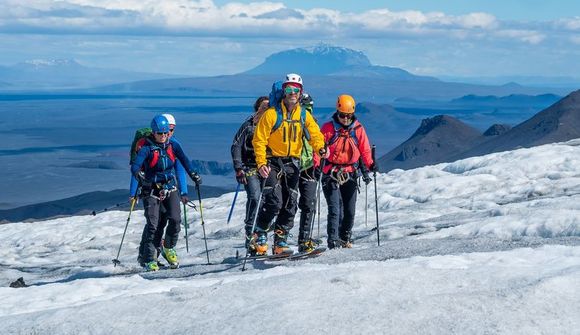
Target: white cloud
x=257 y=19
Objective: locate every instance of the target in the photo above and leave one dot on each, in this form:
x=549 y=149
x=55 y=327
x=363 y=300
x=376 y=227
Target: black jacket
x=242 y=148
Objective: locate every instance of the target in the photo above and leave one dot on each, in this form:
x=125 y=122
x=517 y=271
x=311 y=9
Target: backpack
x=160 y=153
x=345 y=144
x=139 y=135
x=275 y=99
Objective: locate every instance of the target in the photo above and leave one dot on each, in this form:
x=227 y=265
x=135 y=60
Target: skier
x=309 y=172
x=278 y=153
x=245 y=165
x=154 y=168
x=347 y=142
x=138 y=142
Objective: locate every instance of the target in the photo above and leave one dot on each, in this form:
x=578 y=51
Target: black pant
x=253 y=193
x=152 y=207
x=341 y=201
x=306 y=203
x=157 y=240
x=280 y=195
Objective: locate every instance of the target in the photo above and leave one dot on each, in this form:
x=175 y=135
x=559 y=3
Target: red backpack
x=345 y=145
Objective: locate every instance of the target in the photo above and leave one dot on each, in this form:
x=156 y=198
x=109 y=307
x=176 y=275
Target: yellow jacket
x=286 y=141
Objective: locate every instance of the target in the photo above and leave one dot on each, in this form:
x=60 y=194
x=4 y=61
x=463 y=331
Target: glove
x=374 y=167
x=140 y=176
x=367 y=179
x=323 y=153
x=184 y=198
x=241 y=177
x=196 y=178
x=306 y=100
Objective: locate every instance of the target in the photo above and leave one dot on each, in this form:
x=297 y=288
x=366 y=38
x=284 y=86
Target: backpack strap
x=279 y=118
x=156 y=149
x=303 y=123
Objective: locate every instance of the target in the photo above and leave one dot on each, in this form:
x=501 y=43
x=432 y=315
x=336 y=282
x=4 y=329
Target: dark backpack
x=139 y=134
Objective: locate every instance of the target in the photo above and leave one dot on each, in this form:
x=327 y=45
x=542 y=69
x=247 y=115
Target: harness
x=161 y=190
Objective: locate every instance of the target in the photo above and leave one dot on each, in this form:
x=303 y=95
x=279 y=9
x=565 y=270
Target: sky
x=485 y=245
x=200 y=38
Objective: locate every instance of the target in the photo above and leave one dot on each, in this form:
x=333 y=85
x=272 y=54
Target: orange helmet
x=345 y=104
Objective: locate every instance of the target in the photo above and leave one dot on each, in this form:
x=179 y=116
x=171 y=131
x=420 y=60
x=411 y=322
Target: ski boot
x=280 y=244
x=251 y=244
x=261 y=243
x=171 y=256
x=151 y=266
x=307 y=246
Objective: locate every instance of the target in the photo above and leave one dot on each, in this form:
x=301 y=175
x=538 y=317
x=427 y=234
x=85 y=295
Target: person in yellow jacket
x=278 y=160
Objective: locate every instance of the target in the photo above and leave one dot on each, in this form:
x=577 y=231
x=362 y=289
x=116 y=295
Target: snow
x=486 y=245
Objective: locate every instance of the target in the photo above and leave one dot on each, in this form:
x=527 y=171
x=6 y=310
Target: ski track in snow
x=485 y=245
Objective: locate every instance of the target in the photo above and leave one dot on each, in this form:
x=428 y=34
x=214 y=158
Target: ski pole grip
x=373 y=151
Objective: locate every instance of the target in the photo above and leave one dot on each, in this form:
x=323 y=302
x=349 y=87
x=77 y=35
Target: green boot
x=171 y=256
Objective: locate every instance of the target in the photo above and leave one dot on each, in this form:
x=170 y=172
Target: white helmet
x=293 y=78
x=169 y=118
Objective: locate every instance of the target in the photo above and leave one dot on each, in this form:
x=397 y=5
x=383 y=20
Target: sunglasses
x=161 y=134
x=345 y=116
x=291 y=90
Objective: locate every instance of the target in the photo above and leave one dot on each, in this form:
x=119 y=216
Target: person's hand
x=184 y=199
x=264 y=171
x=324 y=153
x=367 y=179
x=374 y=167
x=306 y=100
x=196 y=178
x=131 y=199
x=241 y=177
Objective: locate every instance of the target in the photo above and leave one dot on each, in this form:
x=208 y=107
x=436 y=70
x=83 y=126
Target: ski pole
x=185 y=225
x=366 y=203
x=255 y=220
x=202 y=222
x=234 y=203
x=317 y=211
x=374 y=149
x=116 y=260
x=95 y=212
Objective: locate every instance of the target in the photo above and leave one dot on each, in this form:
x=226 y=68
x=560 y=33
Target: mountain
x=327 y=72
x=445 y=139
x=327 y=60
x=66 y=74
x=433 y=142
x=557 y=123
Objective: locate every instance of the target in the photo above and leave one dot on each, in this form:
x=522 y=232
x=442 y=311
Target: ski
x=307 y=254
x=268 y=257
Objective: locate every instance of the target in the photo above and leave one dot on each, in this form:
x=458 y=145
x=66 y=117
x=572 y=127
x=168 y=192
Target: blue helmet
x=160 y=124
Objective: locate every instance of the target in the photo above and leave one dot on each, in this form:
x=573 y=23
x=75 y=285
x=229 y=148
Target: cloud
x=258 y=19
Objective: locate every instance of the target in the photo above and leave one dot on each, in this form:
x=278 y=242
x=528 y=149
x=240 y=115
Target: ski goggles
x=345 y=115
x=291 y=90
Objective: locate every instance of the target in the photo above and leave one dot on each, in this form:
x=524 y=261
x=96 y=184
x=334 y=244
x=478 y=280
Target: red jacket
x=338 y=157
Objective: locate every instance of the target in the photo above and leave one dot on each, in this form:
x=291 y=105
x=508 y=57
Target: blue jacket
x=171 y=164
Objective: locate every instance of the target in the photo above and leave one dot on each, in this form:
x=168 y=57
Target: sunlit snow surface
x=486 y=245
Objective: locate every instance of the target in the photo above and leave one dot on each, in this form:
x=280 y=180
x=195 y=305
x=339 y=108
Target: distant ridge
x=85 y=204
x=557 y=123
